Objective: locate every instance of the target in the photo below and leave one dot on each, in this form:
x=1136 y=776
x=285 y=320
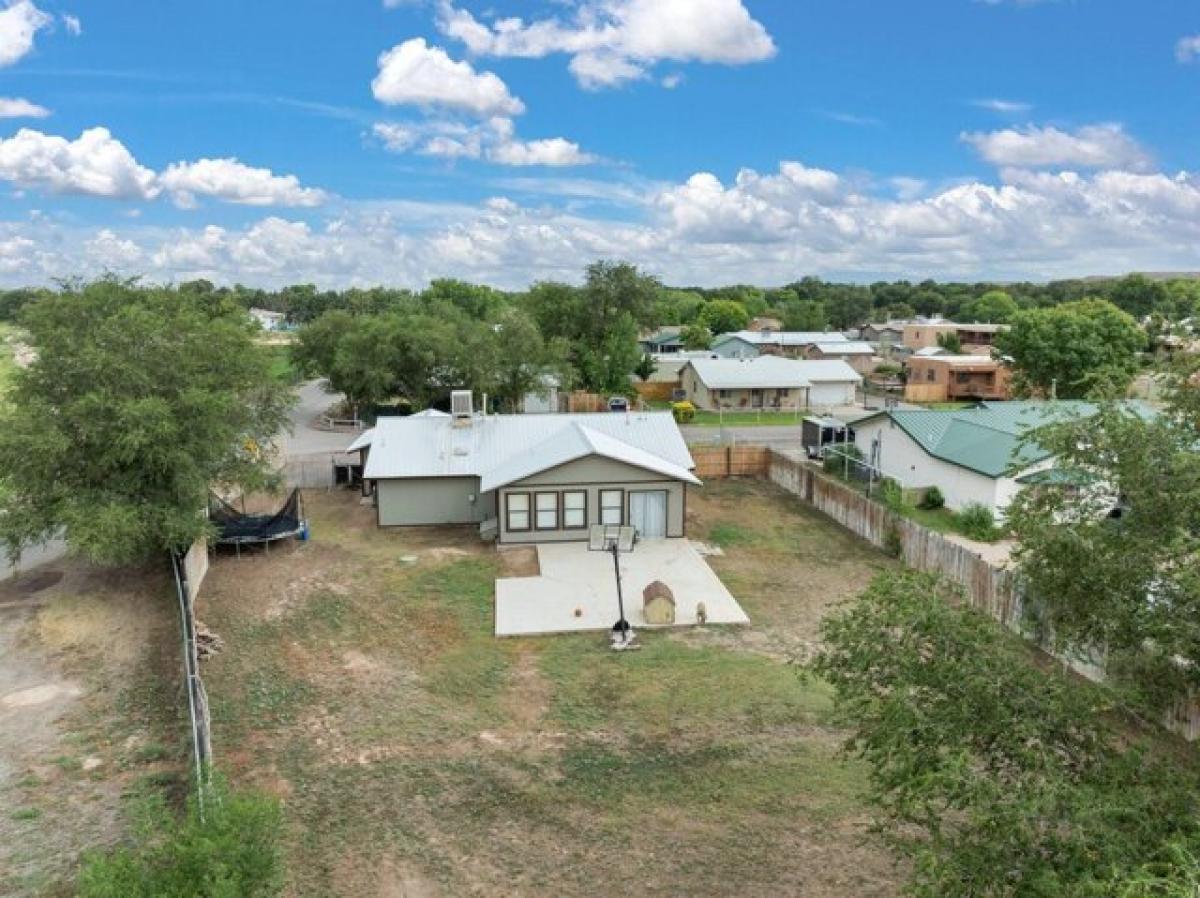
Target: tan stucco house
x=530 y=478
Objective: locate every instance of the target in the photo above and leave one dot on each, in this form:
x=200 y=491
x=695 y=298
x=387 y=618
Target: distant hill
x=1151 y=275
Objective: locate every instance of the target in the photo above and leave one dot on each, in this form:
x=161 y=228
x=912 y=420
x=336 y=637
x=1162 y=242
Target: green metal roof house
x=971 y=455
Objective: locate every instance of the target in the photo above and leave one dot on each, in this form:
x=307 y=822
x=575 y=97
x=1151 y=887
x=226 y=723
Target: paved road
x=304 y=438
x=762 y=435
x=36 y=555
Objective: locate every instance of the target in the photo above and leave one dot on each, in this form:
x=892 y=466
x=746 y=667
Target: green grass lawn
x=281 y=362
x=418 y=754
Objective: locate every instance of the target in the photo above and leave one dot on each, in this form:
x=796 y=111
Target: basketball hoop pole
x=622 y=625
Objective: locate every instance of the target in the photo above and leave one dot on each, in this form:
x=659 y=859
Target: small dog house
x=658 y=603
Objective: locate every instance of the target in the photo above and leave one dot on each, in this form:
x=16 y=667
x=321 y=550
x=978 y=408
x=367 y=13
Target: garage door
x=830 y=394
x=648 y=513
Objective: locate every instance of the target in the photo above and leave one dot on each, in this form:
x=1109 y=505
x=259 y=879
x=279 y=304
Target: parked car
x=618 y=404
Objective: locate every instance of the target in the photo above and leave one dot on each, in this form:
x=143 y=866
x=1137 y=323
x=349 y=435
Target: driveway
x=305 y=439
x=35 y=555
x=576 y=589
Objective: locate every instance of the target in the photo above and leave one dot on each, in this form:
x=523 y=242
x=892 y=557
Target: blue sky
x=711 y=141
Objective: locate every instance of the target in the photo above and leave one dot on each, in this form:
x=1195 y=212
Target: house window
x=930 y=374
x=612 y=507
x=574 y=510
x=517 y=508
x=546 y=506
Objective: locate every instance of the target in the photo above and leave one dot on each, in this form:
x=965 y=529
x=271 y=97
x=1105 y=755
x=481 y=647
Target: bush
x=977 y=522
x=890 y=493
x=233 y=853
x=835 y=458
x=933 y=499
x=684 y=412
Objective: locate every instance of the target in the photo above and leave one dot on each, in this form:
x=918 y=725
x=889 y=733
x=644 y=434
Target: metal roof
x=363 y=440
x=575 y=442
x=771 y=372
x=493 y=447
x=782 y=338
x=988 y=438
x=847 y=347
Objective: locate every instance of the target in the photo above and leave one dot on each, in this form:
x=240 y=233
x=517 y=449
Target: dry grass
x=88 y=666
x=417 y=755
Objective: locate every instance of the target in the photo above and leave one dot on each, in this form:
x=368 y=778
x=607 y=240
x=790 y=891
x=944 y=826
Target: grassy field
x=418 y=755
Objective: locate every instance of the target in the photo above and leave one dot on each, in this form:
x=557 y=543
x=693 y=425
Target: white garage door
x=830 y=394
x=648 y=513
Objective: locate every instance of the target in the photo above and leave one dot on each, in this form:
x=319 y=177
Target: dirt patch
x=73 y=736
x=518 y=561
x=28 y=584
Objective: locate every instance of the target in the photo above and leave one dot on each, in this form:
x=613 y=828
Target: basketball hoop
x=615 y=539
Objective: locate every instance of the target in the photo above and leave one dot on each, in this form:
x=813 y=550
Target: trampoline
x=237 y=528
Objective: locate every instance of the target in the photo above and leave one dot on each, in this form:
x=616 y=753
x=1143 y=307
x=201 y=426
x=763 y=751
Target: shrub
x=933 y=499
x=684 y=412
x=890 y=493
x=835 y=458
x=232 y=853
x=977 y=522
x=892 y=543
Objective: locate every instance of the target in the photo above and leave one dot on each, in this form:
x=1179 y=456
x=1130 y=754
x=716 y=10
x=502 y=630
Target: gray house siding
x=432 y=500
x=735 y=348
x=590 y=476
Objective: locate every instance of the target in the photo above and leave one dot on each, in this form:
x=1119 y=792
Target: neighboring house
x=750 y=344
x=269 y=321
x=858 y=354
x=886 y=333
x=543 y=401
x=974 y=455
x=530 y=478
x=768 y=382
x=949 y=378
x=976 y=339
x=663 y=341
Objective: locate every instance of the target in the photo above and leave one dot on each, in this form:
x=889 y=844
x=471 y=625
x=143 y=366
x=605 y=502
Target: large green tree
x=721 y=316
x=1112 y=558
x=137 y=403
x=1074 y=349
x=992 y=776
x=993 y=307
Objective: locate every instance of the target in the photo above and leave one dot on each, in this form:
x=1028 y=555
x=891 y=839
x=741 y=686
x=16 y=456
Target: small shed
x=658 y=604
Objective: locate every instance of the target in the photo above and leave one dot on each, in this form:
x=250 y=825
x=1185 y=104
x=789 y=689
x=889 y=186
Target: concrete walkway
x=576 y=589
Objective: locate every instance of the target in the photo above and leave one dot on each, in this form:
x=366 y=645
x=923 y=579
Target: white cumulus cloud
x=615 y=41
x=18 y=107
x=19 y=24
x=494 y=140
x=1188 y=48
x=235 y=182
x=72 y=24
x=97 y=164
x=414 y=73
x=94 y=164
x=1092 y=146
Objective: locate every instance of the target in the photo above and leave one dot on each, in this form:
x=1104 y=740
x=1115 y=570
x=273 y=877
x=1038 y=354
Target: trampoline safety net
x=234 y=526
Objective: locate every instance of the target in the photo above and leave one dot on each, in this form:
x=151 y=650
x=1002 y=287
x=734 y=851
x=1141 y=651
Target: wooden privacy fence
x=731 y=461
x=995 y=591
x=988 y=588
x=656 y=390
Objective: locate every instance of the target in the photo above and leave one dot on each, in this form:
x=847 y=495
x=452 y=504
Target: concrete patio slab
x=576 y=589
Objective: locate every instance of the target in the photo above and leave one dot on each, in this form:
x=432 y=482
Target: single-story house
x=947 y=378
x=664 y=340
x=885 y=333
x=530 y=478
x=768 y=382
x=749 y=344
x=858 y=354
x=973 y=455
x=268 y=320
